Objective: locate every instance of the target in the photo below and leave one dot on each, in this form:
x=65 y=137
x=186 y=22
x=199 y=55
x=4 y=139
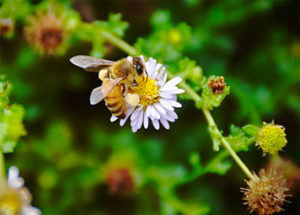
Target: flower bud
x=6 y=26
x=266 y=193
x=175 y=36
x=287 y=168
x=214 y=91
x=46 y=33
x=217 y=85
x=120 y=182
x=271 y=138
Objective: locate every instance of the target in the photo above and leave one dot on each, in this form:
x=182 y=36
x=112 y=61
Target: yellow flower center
x=10 y=202
x=147 y=90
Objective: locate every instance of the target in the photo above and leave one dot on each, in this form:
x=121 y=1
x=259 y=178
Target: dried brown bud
x=217 y=85
x=266 y=193
x=6 y=26
x=120 y=182
x=45 y=33
x=287 y=168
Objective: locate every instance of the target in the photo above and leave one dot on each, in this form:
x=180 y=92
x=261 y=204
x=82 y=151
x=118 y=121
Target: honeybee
x=117 y=77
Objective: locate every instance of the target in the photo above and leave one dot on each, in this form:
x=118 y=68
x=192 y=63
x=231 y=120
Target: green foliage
x=241 y=138
x=167 y=41
x=11 y=117
x=71 y=148
x=189 y=71
x=15 y=9
x=114 y=24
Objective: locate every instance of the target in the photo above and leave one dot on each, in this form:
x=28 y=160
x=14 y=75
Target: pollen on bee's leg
x=132 y=99
x=102 y=74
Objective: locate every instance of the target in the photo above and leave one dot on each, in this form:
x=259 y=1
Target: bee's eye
x=139 y=69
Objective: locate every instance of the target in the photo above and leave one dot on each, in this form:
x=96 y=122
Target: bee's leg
x=147 y=75
x=123 y=90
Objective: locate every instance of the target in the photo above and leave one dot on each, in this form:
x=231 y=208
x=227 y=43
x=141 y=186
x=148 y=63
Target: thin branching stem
x=2 y=168
x=132 y=51
x=118 y=42
x=226 y=145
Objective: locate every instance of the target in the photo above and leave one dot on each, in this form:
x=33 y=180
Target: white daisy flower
x=15 y=199
x=158 y=98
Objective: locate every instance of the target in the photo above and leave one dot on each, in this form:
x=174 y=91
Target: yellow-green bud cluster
x=271 y=138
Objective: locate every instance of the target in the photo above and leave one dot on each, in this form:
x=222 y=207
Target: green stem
x=190 y=92
x=132 y=51
x=226 y=145
x=118 y=42
x=2 y=168
x=110 y=37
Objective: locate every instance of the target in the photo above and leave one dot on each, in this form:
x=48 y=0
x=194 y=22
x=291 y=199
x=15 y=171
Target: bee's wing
x=99 y=93
x=91 y=64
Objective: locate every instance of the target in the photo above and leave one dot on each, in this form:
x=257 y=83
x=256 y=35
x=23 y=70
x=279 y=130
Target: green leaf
x=161 y=19
x=190 y=71
x=251 y=130
x=220 y=167
x=114 y=24
x=11 y=117
x=167 y=41
x=216 y=137
x=239 y=139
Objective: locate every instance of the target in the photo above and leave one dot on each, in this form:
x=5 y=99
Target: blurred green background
x=71 y=146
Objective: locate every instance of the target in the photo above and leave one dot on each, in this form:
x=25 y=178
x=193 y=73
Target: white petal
x=173 y=81
x=134 y=129
x=168 y=88
x=167 y=95
x=154 y=113
x=159 y=108
x=134 y=114
x=135 y=119
x=14 y=180
x=140 y=119
x=148 y=110
x=165 y=78
x=165 y=123
x=177 y=91
x=30 y=211
x=150 y=65
x=155 y=123
x=166 y=104
x=129 y=112
x=154 y=74
x=169 y=118
x=13 y=173
x=162 y=71
x=158 y=66
x=173 y=114
x=174 y=103
x=113 y=118
x=146 y=121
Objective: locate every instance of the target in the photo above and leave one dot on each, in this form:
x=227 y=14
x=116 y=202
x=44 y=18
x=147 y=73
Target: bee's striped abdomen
x=115 y=102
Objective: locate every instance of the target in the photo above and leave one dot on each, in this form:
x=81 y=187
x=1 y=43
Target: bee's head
x=139 y=65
